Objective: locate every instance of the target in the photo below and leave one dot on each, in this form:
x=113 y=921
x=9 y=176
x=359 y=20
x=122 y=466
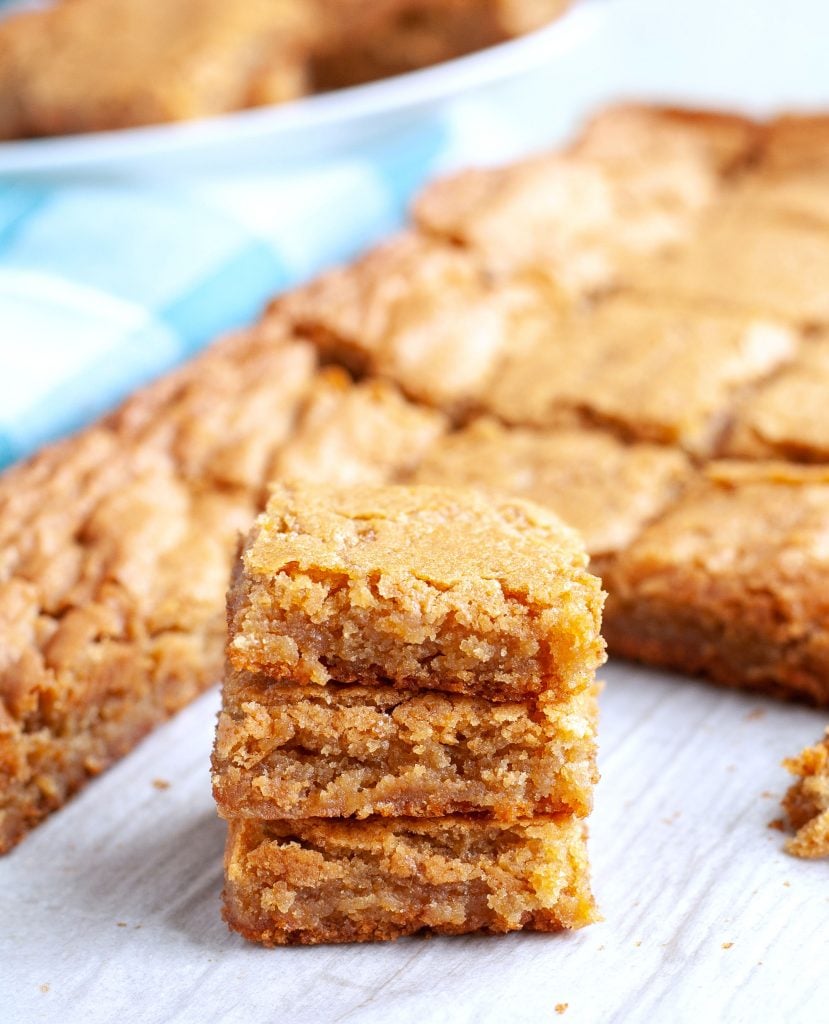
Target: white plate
x=304 y=129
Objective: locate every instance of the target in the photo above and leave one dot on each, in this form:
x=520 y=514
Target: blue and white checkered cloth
x=107 y=283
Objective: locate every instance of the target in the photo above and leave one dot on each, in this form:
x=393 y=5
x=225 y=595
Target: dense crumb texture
x=285 y=752
x=605 y=489
x=787 y=417
x=331 y=881
x=733 y=582
x=89 y=65
x=807 y=801
x=417 y=586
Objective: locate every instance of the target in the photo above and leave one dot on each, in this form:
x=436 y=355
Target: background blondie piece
x=733 y=582
x=807 y=801
x=748 y=259
x=650 y=370
x=364 y=433
x=286 y=751
x=605 y=489
x=635 y=183
x=331 y=881
x=422 y=313
x=365 y=41
x=788 y=416
x=89 y=65
x=418 y=587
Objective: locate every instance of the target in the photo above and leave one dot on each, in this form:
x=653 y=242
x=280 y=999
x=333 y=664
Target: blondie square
x=422 y=313
x=287 y=752
x=733 y=582
x=366 y=41
x=415 y=587
x=636 y=183
x=650 y=370
x=605 y=489
x=332 y=881
x=807 y=801
x=363 y=433
x=90 y=65
x=748 y=259
x=788 y=416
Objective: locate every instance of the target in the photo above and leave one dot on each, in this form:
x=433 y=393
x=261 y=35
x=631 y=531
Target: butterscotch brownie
x=733 y=582
x=332 y=881
x=807 y=801
x=748 y=259
x=286 y=751
x=95 y=64
x=605 y=489
x=415 y=587
x=636 y=183
x=788 y=416
x=347 y=433
x=366 y=41
x=422 y=313
x=651 y=370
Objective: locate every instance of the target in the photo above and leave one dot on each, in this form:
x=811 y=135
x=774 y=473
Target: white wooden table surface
x=110 y=911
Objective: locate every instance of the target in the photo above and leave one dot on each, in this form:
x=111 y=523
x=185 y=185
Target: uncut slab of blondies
x=415 y=587
x=285 y=752
x=807 y=801
x=733 y=581
x=331 y=881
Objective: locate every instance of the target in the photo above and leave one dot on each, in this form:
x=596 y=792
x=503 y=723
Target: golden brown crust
x=732 y=582
x=788 y=416
x=807 y=801
x=418 y=587
x=425 y=315
x=605 y=489
x=329 y=881
x=634 y=184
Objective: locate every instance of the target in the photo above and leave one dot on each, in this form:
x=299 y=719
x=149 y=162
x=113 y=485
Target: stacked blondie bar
x=406 y=739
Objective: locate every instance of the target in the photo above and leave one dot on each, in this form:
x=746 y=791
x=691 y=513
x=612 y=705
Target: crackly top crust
x=118 y=540
x=635 y=183
x=424 y=314
x=760 y=524
x=787 y=417
x=446 y=588
x=605 y=489
x=807 y=801
x=94 y=64
x=652 y=370
x=356 y=433
x=749 y=259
